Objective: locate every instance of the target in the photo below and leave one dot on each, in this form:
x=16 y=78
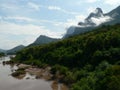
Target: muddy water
x=7 y=82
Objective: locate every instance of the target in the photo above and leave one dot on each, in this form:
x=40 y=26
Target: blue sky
x=22 y=21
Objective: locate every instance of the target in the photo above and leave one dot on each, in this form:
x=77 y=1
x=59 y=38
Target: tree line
x=89 y=61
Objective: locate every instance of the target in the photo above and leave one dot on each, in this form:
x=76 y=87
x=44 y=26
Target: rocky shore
x=38 y=73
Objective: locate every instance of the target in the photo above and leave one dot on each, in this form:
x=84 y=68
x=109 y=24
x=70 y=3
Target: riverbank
x=43 y=73
x=38 y=73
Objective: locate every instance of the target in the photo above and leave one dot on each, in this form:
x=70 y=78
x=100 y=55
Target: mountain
x=43 y=40
x=39 y=41
x=98 y=13
x=15 y=49
x=115 y=15
x=3 y=51
x=94 y=20
x=89 y=61
x=80 y=47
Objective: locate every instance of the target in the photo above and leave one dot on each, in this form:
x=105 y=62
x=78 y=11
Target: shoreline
x=38 y=73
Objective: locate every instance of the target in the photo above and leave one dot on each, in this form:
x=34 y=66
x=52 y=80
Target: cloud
x=30 y=21
x=69 y=12
x=100 y=20
x=61 y=10
x=92 y=1
x=112 y=2
x=29 y=32
x=7 y=43
x=0 y=17
x=54 y=8
x=27 y=29
x=43 y=22
x=71 y=22
x=90 y=9
x=16 y=29
x=28 y=6
x=33 y=6
x=74 y=21
x=9 y=7
x=18 y=18
x=26 y=19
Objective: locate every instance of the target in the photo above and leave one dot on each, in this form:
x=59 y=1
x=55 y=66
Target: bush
x=60 y=69
x=18 y=72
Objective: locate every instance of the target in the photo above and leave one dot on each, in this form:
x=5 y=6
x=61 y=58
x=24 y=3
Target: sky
x=22 y=21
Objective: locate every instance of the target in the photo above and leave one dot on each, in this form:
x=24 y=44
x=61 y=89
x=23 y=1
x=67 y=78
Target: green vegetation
x=90 y=61
x=18 y=72
x=2 y=54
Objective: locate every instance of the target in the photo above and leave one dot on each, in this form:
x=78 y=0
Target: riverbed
x=7 y=82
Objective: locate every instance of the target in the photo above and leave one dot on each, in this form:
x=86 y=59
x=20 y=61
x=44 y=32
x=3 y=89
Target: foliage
x=88 y=61
x=18 y=72
x=2 y=54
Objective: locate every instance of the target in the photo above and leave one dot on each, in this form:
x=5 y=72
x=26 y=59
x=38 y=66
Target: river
x=7 y=82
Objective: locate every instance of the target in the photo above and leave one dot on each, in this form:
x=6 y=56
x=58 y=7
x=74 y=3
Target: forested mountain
x=2 y=51
x=89 y=61
x=2 y=54
x=43 y=40
x=94 y=20
x=39 y=41
x=15 y=49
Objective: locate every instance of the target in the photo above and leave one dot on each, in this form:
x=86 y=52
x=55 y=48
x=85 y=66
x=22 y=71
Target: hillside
x=43 y=40
x=94 y=20
x=89 y=61
x=2 y=51
x=15 y=49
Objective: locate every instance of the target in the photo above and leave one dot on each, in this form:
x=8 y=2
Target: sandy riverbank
x=41 y=73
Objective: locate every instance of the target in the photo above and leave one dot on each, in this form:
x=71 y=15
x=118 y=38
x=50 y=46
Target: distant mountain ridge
x=94 y=20
x=42 y=39
x=15 y=49
x=98 y=13
x=3 y=51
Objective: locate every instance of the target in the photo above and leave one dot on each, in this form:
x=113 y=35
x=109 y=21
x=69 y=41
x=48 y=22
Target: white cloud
x=71 y=22
x=112 y=2
x=6 y=43
x=92 y=1
x=33 y=5
x=78 y=18
x=9 y=7
x=68 y=23
x=69 y=12
x=12 y=28
x=100 y=20
x=29 y=31
x=90 y=9
x=18 y=18
x=57 y=8
x=0 y=17
x=54 y=8
x=61 y=10
x=26 y=19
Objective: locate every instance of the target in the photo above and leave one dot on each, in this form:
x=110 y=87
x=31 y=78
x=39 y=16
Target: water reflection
x=7 y=82
x=28 y=82
x=12 y=68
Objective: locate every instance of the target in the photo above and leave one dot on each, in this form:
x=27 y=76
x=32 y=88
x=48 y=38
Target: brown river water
x=7 y=82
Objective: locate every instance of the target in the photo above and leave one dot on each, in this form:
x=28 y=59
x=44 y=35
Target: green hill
x=90 y=61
